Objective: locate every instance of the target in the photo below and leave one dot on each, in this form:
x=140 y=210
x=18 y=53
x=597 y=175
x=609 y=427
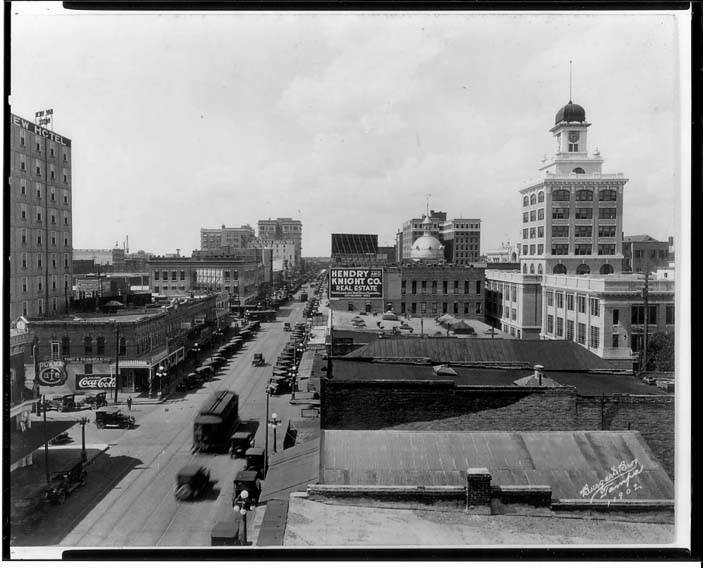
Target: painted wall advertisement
x=52 y=373
x=97 y=381
x=356 y=282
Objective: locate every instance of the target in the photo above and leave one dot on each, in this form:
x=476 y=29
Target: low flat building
x=514 y=303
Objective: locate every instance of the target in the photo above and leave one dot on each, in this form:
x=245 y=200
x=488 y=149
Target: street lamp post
x=161 y=374
x=84 y=456
x=117 y=358
x=241 y=505
x=273 y=423
x=46 y=442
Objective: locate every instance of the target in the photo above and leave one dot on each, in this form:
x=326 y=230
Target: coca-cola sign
x=84 y=382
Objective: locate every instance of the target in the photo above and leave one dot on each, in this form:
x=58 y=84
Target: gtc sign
x=85 y=382
x=356 y=283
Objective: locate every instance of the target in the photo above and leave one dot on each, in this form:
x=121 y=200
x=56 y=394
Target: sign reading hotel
x=356 y=282
x=17 y=121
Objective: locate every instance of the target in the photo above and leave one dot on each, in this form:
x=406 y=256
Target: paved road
x=128 y=499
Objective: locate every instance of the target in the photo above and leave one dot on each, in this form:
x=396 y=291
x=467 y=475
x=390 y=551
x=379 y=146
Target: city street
x=128 y=499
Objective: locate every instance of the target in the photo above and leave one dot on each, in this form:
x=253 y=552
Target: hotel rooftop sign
x=39 y=131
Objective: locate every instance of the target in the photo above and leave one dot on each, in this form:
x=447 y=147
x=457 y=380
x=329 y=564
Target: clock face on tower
x=573 y=137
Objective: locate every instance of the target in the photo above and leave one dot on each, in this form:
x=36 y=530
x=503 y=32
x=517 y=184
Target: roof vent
x=444 y=370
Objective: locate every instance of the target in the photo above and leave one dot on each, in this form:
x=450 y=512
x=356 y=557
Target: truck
x=243 y=438
x=215 y=422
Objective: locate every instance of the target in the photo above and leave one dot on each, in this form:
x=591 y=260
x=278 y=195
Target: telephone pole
x=645 y=297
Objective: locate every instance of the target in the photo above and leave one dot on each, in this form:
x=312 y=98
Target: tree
x=661 y=351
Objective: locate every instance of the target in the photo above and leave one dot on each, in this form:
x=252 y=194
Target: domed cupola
x=427 y=247
x=570 y=112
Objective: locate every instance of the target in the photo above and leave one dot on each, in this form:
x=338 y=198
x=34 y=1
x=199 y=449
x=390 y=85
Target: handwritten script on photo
x=618 y=484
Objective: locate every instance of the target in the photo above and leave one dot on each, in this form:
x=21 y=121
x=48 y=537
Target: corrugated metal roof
x=566 y=461
x=585 y=383
x=554 y=354
x=291 y=470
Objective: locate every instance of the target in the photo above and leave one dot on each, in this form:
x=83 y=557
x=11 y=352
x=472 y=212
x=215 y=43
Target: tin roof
x=573 y=464
x=585 y=383
x=554 y=354
x=291 y=470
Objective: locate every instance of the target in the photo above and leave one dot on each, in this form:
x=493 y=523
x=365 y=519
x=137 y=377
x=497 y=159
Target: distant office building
x=241 y=279
x=40 y=215
x=460 y=238
x=226 y=239
x=282 y=253
x=283 y=229
x=413 y=229
x=643 y=253
x=507 y=252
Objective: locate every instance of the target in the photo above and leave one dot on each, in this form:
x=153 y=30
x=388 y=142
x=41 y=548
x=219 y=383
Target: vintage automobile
x=63 y=483
x=255 y=459
x=286 y=326
x=258 y=360
x=113 y=416
x=97 y=400
x=192 y=481
x=63 y=403
x=205 y=372
x=60 y=439
x=242 y=438
x=251 y=481
x=219 y=361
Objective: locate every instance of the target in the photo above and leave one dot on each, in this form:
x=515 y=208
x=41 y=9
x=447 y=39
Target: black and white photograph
x=352 y=280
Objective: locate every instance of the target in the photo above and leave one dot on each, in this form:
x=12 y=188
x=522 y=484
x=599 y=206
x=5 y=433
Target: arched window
x=584 y=195
x=583 y=269
x=525 y=200
x=539 y=269
x=101 y=346
x=578 y=171
x=533 y=199
x=561 y=195
x=524 y=268
x=532 y=268
x=607 y=195
x=65 y=347
x=540 y=197
x=123 y=346
x=559 y=269
x=606 y=269
x=88 y=345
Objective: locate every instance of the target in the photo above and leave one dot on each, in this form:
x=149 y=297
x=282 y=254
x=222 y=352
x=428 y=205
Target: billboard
x=97 y=381
x=356 y=283
x=52 y=373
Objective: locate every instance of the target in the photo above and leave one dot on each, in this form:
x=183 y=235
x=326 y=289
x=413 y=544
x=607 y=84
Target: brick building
x=642 y=252
x=495 y=386
x=67 y=351
x=41 y=225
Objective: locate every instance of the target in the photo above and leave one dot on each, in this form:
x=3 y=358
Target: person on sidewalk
x=129 y=403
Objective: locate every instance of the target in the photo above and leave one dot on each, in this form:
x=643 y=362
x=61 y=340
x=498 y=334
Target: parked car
x=192 y=481
x=113 y=416
x=249 y=480
x=63 y=483
x=97 y=400
x=286 y=326
x=205 y=372
x=258 y=360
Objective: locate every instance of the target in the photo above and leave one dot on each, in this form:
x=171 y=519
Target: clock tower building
x=572 y=217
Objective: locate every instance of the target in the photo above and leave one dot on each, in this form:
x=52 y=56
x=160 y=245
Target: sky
x=345 y=121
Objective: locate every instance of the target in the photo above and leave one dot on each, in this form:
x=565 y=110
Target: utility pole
x=46 y=442
x=645 y=297
x=117 y=359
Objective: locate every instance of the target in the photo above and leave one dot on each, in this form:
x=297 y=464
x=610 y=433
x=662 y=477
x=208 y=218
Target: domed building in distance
x=427 y=247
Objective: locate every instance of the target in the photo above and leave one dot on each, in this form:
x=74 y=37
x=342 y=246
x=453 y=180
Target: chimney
x=538 y=373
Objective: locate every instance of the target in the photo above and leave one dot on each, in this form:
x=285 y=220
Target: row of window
x=39 y=238
x=38 y=147
x=593 y=336
x=445 y=287
x=91 y=347
x=40 y=284
x=583 y=231
x=580 y=249
x=38 y=171
x=533 y=199
x=38 y=192
x=534 y=215
x=40 y=264
x=584 y=195
x=39 y=217
x=466 y=307
x=583 y=213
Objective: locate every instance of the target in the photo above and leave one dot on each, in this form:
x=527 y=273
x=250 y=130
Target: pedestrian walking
x=129 y=403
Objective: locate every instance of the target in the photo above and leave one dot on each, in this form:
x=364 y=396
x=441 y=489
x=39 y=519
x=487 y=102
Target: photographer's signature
x=617 y=484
